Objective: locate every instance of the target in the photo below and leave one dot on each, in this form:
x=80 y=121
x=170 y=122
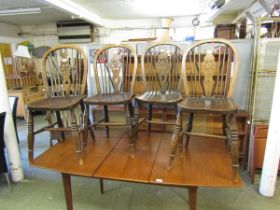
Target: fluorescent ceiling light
x=20 y=11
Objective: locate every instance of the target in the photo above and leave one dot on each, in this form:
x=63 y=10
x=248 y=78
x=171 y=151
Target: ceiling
x=100 y=11
x=134 y=9
x=48 y=15
x=105 y=9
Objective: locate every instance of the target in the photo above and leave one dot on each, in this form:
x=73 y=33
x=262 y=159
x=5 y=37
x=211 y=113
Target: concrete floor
x=43 y=190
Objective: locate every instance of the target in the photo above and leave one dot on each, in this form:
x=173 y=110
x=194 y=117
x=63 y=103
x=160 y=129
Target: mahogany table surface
x=205 y=162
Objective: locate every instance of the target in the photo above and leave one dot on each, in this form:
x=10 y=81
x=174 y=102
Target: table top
x=206 y=162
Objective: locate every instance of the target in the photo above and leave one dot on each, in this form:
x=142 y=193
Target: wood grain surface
x=206 y=162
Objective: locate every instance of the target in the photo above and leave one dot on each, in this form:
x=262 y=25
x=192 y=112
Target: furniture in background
x=263 y=75
x=266 y=53
x=225 y=31
x=114 y=72
x=26 y=96
x=209 y=69
x=21 y=81
x=3 y=161
x=160 y=64
x=64 y=74
x=23 y=75
x=257 y=149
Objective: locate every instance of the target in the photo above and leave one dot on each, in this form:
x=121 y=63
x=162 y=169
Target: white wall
x=42 y=35
x=9 y=34
x=8 y=30
x=120 y=30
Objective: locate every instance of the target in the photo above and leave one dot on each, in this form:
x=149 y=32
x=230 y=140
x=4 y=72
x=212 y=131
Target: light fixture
x=21 y=60
x=20 y=11
x=22 y=51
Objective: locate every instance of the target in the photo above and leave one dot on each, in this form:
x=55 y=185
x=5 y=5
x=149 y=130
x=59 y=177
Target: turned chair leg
x=129 y=127
x=30 y=136
x=150 y=116
x=234 y=147
x=78 y=142
x=87 y=122
x=226 y=128
x=60 y=124
x=189 y=127
x=50 y=122
x=106 y=118
x=176 y=137
x=135 y=121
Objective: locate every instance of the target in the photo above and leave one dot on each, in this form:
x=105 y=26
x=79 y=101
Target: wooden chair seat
x=109 y=99
x=206 y=105
x=158 y=98
x=56 y=103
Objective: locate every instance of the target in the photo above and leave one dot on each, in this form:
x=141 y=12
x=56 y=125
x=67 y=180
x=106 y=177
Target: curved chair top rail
x=115 y=68
x=64 y=70
x=160 y=65
x=210 y=72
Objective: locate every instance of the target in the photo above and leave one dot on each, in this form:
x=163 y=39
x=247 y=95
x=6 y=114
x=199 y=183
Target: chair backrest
x=210 y=68
x=64 y=71
x=161 y=67
x=115 y=69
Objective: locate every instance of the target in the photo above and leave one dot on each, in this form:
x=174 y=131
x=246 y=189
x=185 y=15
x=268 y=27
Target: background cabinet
x=257 y=149
x=26 y=96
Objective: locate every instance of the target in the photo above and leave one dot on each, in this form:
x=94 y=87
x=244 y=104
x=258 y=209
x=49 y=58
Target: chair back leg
x=106 y=119
x=30 y=136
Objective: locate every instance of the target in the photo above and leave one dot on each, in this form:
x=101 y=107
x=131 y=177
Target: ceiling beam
x=266 y=6
x=77 y=11
x=243 y=13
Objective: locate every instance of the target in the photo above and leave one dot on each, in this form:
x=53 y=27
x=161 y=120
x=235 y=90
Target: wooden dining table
x=205 y=163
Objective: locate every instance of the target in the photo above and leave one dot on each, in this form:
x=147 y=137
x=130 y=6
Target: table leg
x=66 y=178
x=192 y=198
x=101 y=186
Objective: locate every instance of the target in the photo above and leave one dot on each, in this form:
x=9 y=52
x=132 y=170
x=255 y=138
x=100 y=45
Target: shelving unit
x=266 y=51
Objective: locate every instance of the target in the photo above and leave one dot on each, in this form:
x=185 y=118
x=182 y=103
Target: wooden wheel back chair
x=209 y=69
x=114 y=72
x=64 y=74
x=161 y=75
